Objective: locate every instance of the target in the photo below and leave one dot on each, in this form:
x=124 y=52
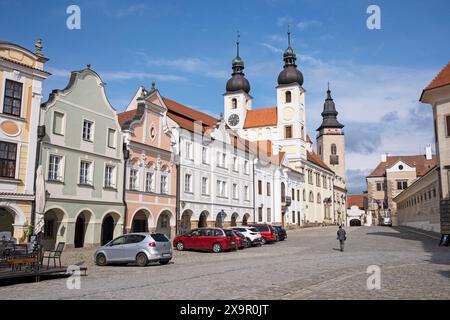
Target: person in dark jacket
x=341 y=236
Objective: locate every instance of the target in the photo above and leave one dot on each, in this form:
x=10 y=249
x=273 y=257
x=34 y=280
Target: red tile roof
x=442 y=79
x=314 y=158
x=356 y=200
x=266 y=117
x=420 y=162
x=126 y=116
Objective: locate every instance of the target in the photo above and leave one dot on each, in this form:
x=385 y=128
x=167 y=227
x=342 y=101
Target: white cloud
x=284 y=21
x=303 y=25
x=271 y=48
x=135 y=9
x=59 y=73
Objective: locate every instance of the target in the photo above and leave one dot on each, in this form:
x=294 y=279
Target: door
x=190 y=240
x=79 y=233
x=131 y=247
x=115 y=251
x=107 y=230
x=205 y=239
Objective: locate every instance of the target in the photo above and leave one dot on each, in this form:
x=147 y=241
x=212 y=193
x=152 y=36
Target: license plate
x=167 y=255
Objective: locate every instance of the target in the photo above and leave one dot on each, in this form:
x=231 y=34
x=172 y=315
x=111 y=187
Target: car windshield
x=262 y=228
x=159 y=237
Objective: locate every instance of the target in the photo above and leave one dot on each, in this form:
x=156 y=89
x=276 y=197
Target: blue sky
x=376 y=76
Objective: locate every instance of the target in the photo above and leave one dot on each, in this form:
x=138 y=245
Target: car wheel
x=141 y=260
x=263 y=240
x=101 y=259
x=163 y=262
x=217 y=247
x=248 y=243
x=180 y=246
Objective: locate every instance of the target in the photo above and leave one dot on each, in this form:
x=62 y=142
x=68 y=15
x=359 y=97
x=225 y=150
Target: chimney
x=384 y=157
x=428 y=153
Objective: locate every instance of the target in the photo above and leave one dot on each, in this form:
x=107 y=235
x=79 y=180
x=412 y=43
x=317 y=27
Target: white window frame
x=189 y=150
x=112 y=183
x=235 y=191
x=135 y=185
x=149 y=187
x=205 y=186
x=164 y=178
x=188 y=183
x=235 y=164
x=92 y=130
x=247 y=167
x=205 y=155
x=89 y=181
x=60 y=172
x=63 y=124
x=114 y=138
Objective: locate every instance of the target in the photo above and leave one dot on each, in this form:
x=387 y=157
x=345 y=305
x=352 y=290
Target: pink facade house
x=150 y=191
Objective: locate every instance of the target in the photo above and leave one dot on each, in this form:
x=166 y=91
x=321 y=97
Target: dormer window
x=234 y=103
x=288 y=97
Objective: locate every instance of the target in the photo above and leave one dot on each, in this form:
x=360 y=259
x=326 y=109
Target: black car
x=281 y=233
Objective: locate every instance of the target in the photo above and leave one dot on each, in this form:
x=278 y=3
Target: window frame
x=8 y=160
x=13 y=98
x=91 y=130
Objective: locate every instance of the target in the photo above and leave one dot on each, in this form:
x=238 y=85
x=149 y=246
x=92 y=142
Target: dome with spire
x=290 y=74
x=238 y=81
x=329 y=113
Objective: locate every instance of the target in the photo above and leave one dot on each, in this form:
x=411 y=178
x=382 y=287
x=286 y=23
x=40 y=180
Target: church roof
x=356 y=200
x=420 y=162
x=256 y=118
x=314 y=158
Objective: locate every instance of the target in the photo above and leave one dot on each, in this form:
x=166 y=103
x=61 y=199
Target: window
x=164 y=184
x=58 y=123
x=221 y=188
x=333 y=149
x=187 y=183
x=318 y=179
x=268 y=189
x=320 y=150
x=298 y=195
x=293 y=216
x=85 y=172
x=324 y=179
x=381 y=186
x=269 y=214
x=304 y=195
x=205 y=186
x=311 y=196
x=293 y=194
x=133 y=185
x=88 y=133
x=319 y=198
x=54 y=168
x=189 y=150
x=288 y=97
x=234 y=103
x=247 y=167
x=205 y=157
x=402 y=185
x=447 y=121
x=8 y=153
x=13 y=98
x=288 y=132
x=260 y=214
x=259 y=187
x=235 y=164
x=111 y=138
x=224 y=160
x=310 y=178
x=109 y=176
x=149 y=182
x=235 y=191
x=247 y=193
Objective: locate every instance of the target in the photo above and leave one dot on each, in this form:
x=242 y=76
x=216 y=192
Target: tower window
x=288 y=97
x=234 y=103
x=333 y=149
x=288 y=132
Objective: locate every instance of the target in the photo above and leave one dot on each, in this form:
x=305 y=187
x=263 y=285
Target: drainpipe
x=254 y=193
x=177 y=199
x=126 y=156
x=40 y=136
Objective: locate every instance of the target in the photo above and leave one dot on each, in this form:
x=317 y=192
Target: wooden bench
x=16 y=263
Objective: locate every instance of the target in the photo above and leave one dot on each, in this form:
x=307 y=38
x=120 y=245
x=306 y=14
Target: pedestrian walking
x=341 y=236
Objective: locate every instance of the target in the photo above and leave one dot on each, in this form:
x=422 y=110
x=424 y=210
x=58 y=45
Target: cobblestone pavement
x=306 y=266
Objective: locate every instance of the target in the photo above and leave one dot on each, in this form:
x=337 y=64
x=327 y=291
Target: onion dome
x=237 y=81
x=290 y=74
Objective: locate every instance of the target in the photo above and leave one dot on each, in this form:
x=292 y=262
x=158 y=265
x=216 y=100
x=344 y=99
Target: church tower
x=330 y=140
x=291 y=126
x=237 y=100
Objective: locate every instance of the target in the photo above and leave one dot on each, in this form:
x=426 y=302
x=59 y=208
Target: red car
x=241 y=240
x=215 y=239
x=268 y=232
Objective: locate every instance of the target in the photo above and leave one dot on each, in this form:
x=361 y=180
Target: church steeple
x=329 y=113
x=238 y=81
x=290 y=73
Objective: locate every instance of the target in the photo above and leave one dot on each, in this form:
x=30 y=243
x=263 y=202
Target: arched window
x=319 y=198
x=311 y=196
x=333 y=149
x=234 y=103
x=288 y=96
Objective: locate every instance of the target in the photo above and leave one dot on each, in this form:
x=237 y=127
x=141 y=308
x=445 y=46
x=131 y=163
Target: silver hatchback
x=140 y=248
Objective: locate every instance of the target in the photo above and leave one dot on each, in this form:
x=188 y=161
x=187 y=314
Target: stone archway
x=234 y=218
x=140 y=221
x=185 y=222
x=107 y=229
x=7 y=221
x=203 y=219
x=54 y=230
x=245 y=219
x=220 y=220
x=163 y=223
x=81 y=227
x=355 y=223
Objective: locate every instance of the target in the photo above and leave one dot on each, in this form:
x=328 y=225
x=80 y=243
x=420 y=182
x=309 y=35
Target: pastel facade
x=82 y=158
x=437 y=94
x=21 y=77
x=151 y=184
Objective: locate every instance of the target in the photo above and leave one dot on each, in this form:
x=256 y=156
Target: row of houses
x=158 y=166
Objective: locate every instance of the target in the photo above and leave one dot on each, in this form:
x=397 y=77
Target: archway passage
x=234 y=218
x=140 y=222
x=53 y=229
x=245 y=219
x=220 y=220
x=6 y=222
x=79 y=232
x=107 y=229
x=185 y=223
x=202 y=221
x=355 y=223
x=163 y=224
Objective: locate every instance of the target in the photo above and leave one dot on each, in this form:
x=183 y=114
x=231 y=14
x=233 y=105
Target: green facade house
x=82 y=159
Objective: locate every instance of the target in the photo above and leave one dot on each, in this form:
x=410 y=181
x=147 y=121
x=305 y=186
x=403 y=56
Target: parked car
x=386 y=221
x=281 y=233
x=141 y=248
x=241 y=240
x=267 y=232
x=215 y=239
x=251 y=233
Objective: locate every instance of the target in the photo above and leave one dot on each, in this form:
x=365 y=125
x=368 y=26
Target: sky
x=186 y=47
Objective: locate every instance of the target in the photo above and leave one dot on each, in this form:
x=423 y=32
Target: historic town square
x=224 y=150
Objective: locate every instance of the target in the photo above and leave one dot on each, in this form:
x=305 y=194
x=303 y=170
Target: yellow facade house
x=21 y=76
